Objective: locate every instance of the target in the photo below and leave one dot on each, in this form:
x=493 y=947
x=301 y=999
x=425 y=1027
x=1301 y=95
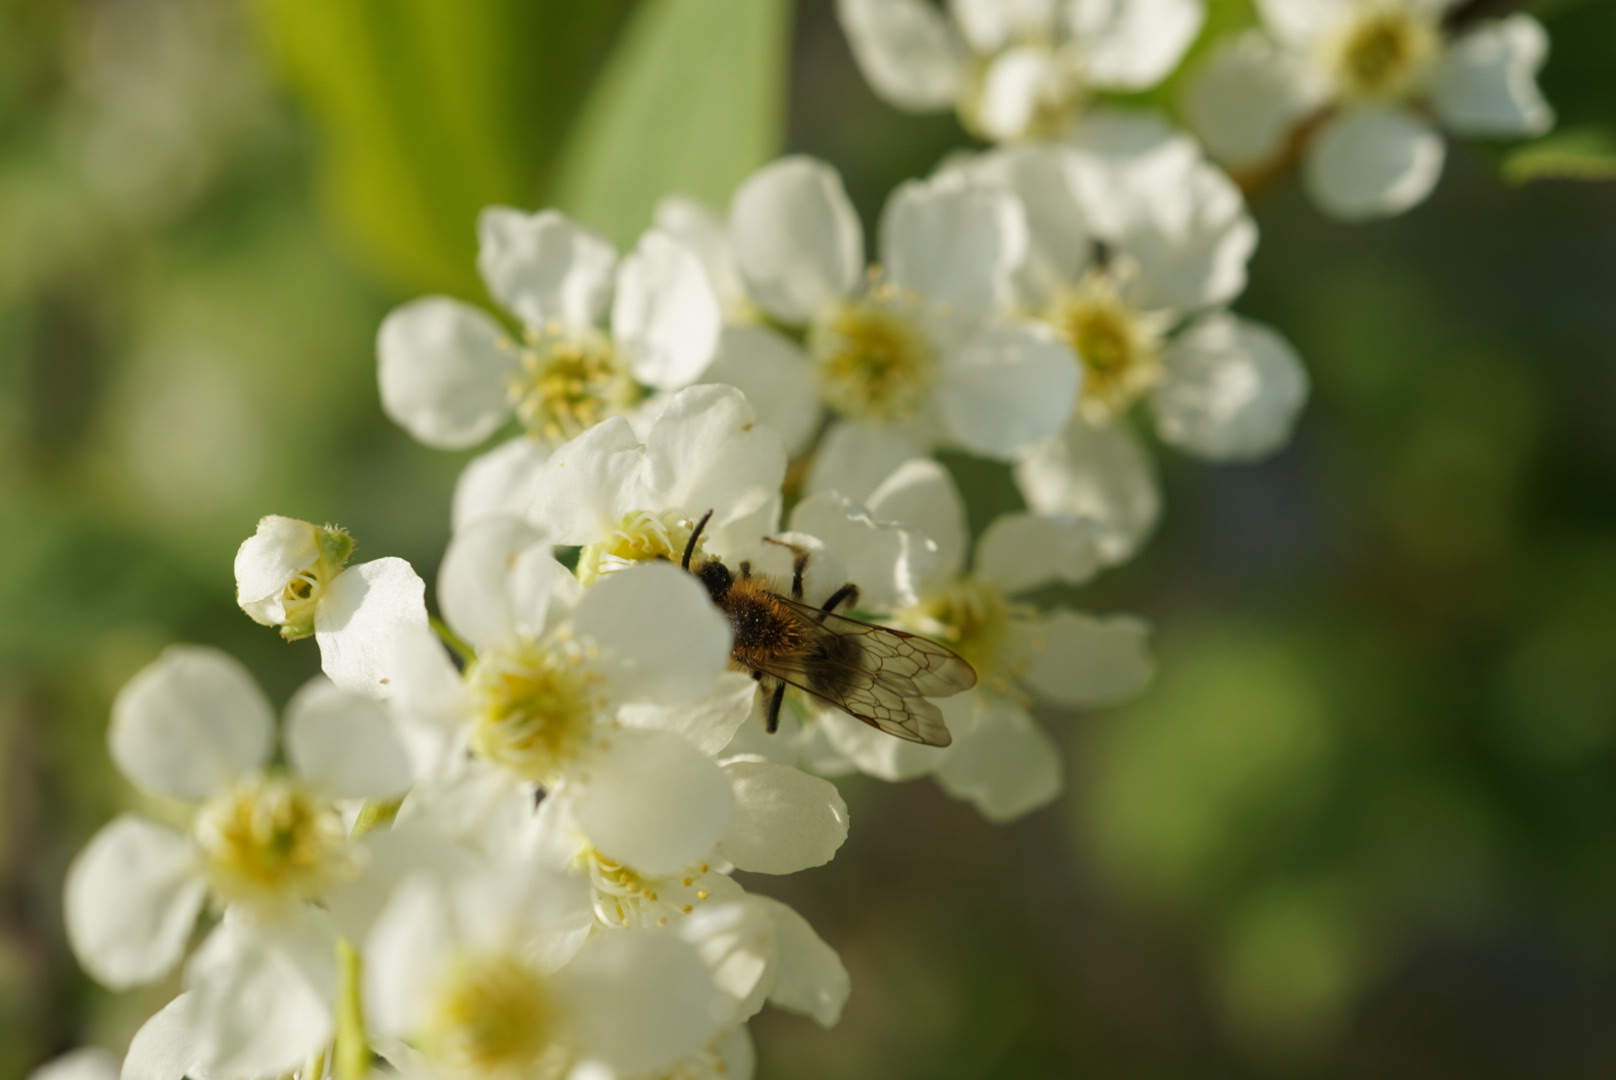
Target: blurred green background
x=1365 y=823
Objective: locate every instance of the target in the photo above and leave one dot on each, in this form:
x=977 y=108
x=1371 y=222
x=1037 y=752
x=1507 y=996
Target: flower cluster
x=717 y=558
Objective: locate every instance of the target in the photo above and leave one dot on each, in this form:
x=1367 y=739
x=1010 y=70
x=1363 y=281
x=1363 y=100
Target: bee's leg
x=746 y=568
x=798 y=564
x=847 y=594
x=771 y=722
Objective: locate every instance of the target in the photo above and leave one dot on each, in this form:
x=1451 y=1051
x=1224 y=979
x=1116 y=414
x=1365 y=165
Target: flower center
x=301 y=596
x=1120 y=348
x=567 y=385
x=268 y=839
x=969 y=616
x=872 y=362
x=642 y=535
x=535 y=706
x=1385 y=54
x=496 y=1017
x=624 y=897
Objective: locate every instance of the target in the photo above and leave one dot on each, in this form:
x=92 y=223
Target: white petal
x=876 y=753
x=1372 y=162
x=709 y=722
x=661 y=638
x=854 y=458
x=165 y=1047
x=85 y=1063
x=737 y=1054
x=496 y=580
x=429 y=700
x=990 y=25
x=1133 y=44
x=886 y=560
x=666 y=315
x=1007 y=766
x=269 y=559
x=785 y=820
x=405 y=955
x=652 y=801
x=587 y=484
x=1156 y=200
x=809 y=976
x=775 y=375
x=921 y=495
x=263 y=994
x=955 y=245
x=344 y=743
x=1098 y=472
x=1246 y=98
x=189 y=723
x=641 y=1000
x=444 y=369
x=499 y=481
x=1076 y=659
x=906 y=51
x=1007 y=388
x=1232 y=389
x=131 y=898
x=1059 y=240
x=361 y=614
x=705 y=450
x=797 y=238
x=705 y=235
x=1021 y=551
x=1305 y=22
x=544 y=267
x=736 y=941
x=1012 y=86
x=1486 y=82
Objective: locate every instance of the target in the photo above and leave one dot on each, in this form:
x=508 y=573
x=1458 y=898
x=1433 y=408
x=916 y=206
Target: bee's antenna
x=690 y=545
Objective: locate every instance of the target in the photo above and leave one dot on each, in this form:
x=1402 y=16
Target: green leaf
x=1584 y=153
x=428 y=111
x=692 y=101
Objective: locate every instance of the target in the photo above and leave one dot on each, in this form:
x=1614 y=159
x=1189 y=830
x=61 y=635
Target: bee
x=879 y=675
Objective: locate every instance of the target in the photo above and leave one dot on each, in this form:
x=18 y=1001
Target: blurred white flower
x=265 y=846
x=290 y=574
x=1138 y=246
x=1016 y=69
x=486 y=977
x=1362 y=82
x=925 y=349
x=451 y=377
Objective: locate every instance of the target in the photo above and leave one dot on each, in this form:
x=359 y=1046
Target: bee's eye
x=716 y=576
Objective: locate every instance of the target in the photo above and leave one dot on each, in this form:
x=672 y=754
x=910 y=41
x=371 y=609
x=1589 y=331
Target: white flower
x=784 y=821
x=923 y=349
x=263 y=845
x=1139 y=244
x=85 y=1063
x=291 y=574
x=1364 y=79
x=484 y=977
x=1000 y=760
x=562 y=694
x=1016 y=69
x=451 y=377
x=630 y=491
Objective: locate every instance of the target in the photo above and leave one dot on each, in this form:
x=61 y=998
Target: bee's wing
x=884 y=679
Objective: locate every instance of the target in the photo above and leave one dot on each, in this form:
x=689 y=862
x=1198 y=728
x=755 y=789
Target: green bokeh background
x=1363 y=825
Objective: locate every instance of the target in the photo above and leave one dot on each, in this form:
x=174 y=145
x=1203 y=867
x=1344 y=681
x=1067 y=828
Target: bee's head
x=716 y=576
